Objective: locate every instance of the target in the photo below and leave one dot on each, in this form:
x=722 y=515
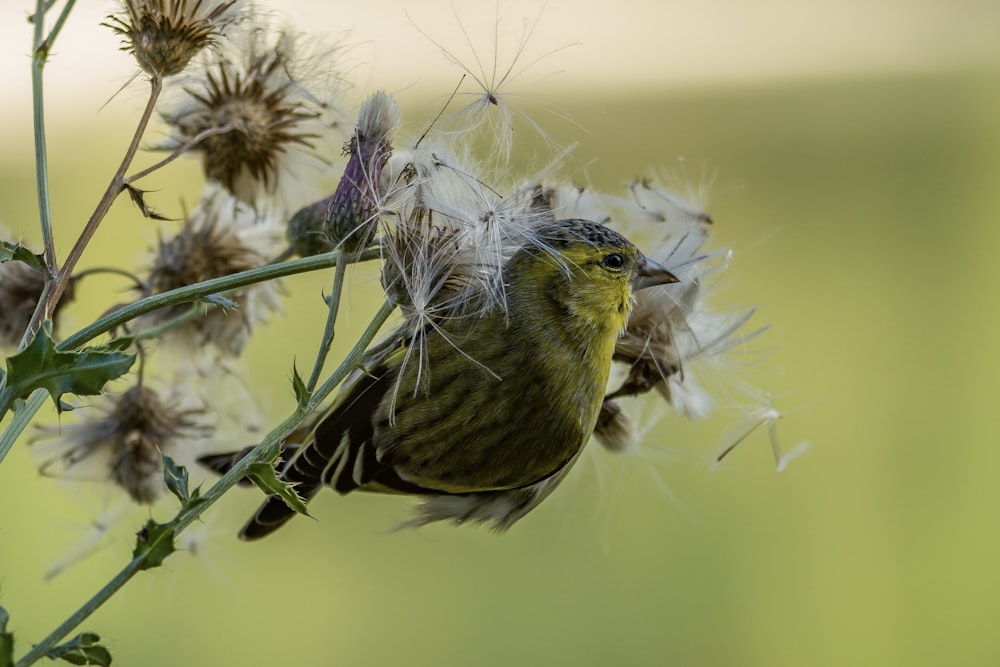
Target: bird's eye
x=613 y=261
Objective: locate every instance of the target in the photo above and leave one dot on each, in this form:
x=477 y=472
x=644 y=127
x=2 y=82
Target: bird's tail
x=273 y=513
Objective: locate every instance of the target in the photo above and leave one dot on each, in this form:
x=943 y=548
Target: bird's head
x=585 y=267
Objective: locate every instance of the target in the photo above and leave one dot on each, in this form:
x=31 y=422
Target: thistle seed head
x=164 y=35
x=220 y=238
x=128 y=435
x=252 y=114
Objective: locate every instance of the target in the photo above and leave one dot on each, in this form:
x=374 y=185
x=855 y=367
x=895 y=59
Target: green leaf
x=16 y=251
x=6 y=641
x=176 y=478
x=82 y=650
x=266 y=479
x=42 y=366
x=299 y=387
x=154 y=543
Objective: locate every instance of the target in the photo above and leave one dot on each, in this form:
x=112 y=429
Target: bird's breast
x=496 y=411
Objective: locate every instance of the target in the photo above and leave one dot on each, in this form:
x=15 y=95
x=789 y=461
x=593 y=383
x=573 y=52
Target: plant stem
x=199 y=290
x=179 y=151
x=109 y=270
x=21 y=420
x=60 y=21
x=196 y=310
x=62 y=275
x=192 y=511
x=333 y=305
x=40 y=54
x=171 y=298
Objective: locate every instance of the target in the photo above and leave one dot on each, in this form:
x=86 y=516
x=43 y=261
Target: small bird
x=499 y=406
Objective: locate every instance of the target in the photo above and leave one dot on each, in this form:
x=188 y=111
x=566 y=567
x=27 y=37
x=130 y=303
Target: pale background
x=851 y=154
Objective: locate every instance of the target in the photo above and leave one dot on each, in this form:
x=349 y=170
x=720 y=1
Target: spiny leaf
x=42 y=366
x=9 y=251
x=266 y=479
x=176 y=478
x=154 y=543
x=82 y=650
x=299 y=387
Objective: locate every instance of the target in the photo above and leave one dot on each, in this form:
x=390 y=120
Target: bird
x=501 y=403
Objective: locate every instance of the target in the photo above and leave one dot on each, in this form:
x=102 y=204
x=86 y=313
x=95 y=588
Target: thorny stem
x=203 y=289
x=196 y=310
x=191 y=511
x=61 y=276
x=333 y=304
x=171 y=298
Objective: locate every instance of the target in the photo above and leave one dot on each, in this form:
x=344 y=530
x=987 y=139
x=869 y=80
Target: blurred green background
x=863 y=213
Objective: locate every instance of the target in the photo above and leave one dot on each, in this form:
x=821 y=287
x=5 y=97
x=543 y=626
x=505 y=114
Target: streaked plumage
x=481 y=416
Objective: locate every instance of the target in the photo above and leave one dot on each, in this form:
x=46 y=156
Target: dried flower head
x=164 y=35
x=220 y=238
x=451 y=232
x=354 y=209
x=128 y=437
x=260 y=113
x=20 y=288
x=349 y=216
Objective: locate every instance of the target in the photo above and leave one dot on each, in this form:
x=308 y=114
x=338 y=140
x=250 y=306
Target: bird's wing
x=340 y=451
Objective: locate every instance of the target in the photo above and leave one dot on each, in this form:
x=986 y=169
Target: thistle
x=254 y=116
x=127 y=439
x=349 y=216
x=220 y=238
x=164 y=35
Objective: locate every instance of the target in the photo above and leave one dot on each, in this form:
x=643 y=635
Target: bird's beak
x=651 y=273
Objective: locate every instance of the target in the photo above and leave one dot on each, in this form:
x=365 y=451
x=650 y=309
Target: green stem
x=333 y=305
x=60 y=21
x=179 y=151
x=196 y=310
x=192 y=511
x=62 y=275
x=199 y=290
x=40 y=54
x=171 y=298
x=21 y=420
x=108 y=270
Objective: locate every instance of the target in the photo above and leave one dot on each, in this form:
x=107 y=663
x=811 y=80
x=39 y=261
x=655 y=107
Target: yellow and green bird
x=500 y=404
